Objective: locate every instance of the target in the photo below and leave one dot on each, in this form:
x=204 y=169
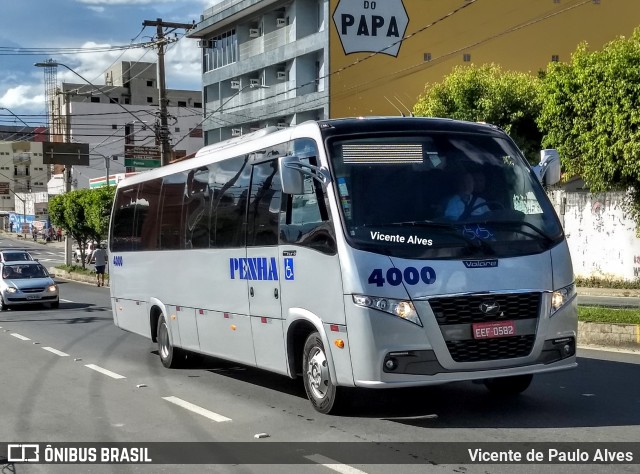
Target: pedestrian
x=59 y=234
x=34 y=233
x=99 y=256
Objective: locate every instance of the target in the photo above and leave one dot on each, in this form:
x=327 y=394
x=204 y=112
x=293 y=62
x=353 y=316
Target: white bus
x=344 y=251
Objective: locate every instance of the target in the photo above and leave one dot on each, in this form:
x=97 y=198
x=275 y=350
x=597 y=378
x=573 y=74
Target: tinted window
x=145 y=229
x=307 y=220
x=264 y=204
x=231 y=188
x=197 y=207
x=171 y=229
x=123 y=218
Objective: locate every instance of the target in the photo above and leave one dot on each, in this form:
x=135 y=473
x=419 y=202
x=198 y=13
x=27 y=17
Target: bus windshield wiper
x=514 y=225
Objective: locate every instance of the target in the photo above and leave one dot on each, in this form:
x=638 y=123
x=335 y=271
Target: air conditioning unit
x=207 y=43
x=280 y=22
x=281 y=125
x=254 y=82
x=236 y=132
x=254 y=32
x=235 y=84
x=282 y=75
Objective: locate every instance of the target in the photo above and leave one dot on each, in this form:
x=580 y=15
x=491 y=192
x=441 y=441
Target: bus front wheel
x=315 y=373
x=513 y=385
x=169 y=355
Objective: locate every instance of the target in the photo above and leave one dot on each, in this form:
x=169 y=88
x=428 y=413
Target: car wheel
x=171 y=357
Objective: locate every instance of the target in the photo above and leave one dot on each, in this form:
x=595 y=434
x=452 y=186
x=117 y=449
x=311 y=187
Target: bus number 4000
x=395 y=276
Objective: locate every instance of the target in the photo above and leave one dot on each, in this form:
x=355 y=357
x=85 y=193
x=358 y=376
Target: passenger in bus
x=466 y=202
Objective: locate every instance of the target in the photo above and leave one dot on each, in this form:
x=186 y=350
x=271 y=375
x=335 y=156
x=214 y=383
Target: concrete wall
x=601 y=236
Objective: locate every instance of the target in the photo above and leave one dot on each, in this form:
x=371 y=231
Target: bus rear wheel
x=509 y=386
x=169 y=355
x=317 y=380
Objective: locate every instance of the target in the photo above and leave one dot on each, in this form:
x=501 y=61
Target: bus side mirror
x=548 y=171
x=291 y=178
x=292 y=172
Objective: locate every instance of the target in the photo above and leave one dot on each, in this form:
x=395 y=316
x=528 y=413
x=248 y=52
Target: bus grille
x=461 y=310
x=466 y=309
x=491 y=349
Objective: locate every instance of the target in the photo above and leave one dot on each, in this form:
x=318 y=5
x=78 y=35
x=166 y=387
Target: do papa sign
x=371 y=25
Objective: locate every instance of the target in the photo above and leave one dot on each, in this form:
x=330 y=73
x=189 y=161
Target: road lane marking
x=334 y=465
x=20 y=336
x=196 y=409
x=105 y=371
x=66 y=301
x=55 y=351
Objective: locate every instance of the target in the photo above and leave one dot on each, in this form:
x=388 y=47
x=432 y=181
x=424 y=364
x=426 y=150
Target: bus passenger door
x=263 y=268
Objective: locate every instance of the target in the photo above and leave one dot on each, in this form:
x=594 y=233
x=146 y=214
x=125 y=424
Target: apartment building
x=264 y=63
x=281 y=62
x=23 y=182
x=120 y=121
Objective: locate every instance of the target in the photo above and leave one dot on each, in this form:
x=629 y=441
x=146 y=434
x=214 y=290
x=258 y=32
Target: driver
x=466 y=201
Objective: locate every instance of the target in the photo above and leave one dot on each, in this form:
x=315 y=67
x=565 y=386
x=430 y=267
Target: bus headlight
x=400 y=308
x=561 y=297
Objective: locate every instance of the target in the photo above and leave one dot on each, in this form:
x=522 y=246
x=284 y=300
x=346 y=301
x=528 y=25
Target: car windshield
x=440 y=195
x=16 y=256
x=15 y=272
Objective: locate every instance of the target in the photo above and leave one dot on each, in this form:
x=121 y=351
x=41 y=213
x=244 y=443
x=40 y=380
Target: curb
x=90 y=279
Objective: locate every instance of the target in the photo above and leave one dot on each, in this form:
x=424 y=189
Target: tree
x=83 y=214
x=508 y=99
x=591 y=114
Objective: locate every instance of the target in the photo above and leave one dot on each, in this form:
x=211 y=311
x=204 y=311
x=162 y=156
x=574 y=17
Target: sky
x=35 y=30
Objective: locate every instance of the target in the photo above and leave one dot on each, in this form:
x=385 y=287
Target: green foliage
x=591 y=114
x=595 y=314
x=508 y=99
x=83 y=214
x=600 y=282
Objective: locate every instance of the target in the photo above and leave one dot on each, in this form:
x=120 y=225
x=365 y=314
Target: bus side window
x=264 y=204
x=230 y=205
x=123 y=216
x=171 y=228
x=305 y=220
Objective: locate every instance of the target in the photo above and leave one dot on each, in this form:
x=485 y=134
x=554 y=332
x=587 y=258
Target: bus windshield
x=440 y=195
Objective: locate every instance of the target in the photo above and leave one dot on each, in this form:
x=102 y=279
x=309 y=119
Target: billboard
x=68 y=154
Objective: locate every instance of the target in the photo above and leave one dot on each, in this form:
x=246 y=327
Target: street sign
x=68 y=154
x=142 y=156
x=371 y=26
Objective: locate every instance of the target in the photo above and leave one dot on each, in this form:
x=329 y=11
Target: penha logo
x=375 y=26
x=480 y=263
x=257 y=268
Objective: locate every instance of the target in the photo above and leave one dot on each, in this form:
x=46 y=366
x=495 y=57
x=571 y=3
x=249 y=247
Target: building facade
x=23 y=183
x=281 y=62
x=120 y=121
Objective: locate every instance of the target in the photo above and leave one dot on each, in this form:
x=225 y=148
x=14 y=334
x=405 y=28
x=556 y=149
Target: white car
x=26 y=282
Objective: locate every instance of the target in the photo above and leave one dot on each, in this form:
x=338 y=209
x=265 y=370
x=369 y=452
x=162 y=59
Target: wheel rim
x=318 y=373
x=163 y=341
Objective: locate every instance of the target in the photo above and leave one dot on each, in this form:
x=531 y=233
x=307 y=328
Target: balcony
x=22 y=159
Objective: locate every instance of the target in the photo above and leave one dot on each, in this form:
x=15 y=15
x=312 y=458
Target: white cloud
x=23 y=96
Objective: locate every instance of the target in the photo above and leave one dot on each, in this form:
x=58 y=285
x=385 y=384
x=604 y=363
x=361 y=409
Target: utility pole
x=161 y=41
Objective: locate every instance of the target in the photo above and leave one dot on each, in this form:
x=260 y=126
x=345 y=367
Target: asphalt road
x=71 y=375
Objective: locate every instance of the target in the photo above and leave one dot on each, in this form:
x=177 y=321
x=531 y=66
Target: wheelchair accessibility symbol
x=288 y=269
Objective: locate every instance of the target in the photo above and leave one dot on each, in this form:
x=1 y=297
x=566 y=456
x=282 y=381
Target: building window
x=149 y=99
x=177 y=129
x=114 y=127
x=555 y=58
x=466 y=57
x=126 y=100
x=197 y=105
x=182 y=103
x=427 y=57
x=95 y=100
x=596 y=2
x=113 y=100
x=149 y=83
x=221 y=51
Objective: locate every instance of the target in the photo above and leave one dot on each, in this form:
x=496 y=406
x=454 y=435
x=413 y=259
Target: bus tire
x=170 y=356
x=316 y=377
x=509 y=386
